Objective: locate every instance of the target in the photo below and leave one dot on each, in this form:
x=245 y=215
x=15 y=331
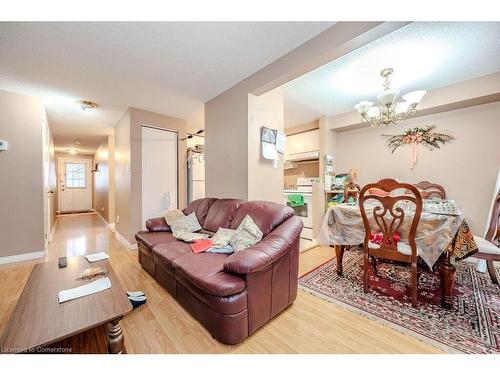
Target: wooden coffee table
x=39 y=320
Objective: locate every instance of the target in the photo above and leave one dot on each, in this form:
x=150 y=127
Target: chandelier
x=388 y=111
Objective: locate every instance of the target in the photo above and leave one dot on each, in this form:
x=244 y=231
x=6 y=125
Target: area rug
x=471 y=326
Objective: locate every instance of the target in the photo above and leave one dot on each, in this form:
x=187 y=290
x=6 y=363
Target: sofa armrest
x=157 y=224
x=271 y=248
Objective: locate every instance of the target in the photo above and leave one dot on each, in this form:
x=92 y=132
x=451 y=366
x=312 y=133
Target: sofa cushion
x=206 y=271
x=150 y=239
x=172 y=216
x=221 y=214
x=188 y=223
x=166 y=253
x=223 y=236
x=190 y=237
x=200 y=208
x=247 y=234
x=267 y=215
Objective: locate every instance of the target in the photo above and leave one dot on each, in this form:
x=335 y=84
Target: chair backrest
x=388 y=217
x=493 y=233
x=351 y=189
x=429 y=189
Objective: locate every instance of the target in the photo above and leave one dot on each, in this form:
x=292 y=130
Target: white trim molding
x=119 y=237
x=22 y=257
x=53 y=231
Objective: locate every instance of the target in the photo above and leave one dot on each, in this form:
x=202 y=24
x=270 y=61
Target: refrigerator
x=195 y=176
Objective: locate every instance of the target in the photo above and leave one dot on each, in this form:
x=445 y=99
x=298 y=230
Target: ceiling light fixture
x=191 y=135
x=389 y=111
x=85 y=104
x=72 y=151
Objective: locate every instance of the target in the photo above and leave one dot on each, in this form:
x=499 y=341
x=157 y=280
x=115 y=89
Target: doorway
x=159 y=172
x=75 y=184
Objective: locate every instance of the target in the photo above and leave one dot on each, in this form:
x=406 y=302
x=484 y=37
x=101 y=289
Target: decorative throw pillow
x=173 y=215
x=223 y=236
x=189 y=237
x=247 y=234
x=188 y=223
x=227 y=249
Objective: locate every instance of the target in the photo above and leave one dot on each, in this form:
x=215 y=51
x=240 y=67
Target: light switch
x=3 y=145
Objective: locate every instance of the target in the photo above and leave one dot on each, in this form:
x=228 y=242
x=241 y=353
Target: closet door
x=159 y=172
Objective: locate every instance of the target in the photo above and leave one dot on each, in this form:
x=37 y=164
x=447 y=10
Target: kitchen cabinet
x=302 y=142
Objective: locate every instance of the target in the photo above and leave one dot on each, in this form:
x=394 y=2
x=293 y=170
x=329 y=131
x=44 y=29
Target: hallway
x=310 y=325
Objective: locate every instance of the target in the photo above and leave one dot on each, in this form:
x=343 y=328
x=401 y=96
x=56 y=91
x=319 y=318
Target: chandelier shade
x=414 y=97
x=388 y=96
x=364 y=106
x=388 y=110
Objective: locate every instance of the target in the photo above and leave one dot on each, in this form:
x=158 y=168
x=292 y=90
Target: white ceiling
x=425 y=55
x=166 y=67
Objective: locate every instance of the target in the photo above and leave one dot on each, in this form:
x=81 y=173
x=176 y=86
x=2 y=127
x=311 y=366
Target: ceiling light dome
x=86 y=104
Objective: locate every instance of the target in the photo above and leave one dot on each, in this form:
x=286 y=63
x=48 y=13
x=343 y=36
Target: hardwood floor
x=310 y=325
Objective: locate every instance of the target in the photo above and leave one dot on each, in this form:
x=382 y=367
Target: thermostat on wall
x=3 y=145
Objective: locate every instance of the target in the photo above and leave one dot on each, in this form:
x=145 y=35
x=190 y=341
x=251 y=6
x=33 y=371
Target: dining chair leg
x=366 y=271
x=491 y=271
x=374 y=265
x=414 y=284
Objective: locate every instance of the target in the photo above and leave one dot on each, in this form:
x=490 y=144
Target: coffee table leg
x=447 y=275
x=339 y=254
x=115 y=337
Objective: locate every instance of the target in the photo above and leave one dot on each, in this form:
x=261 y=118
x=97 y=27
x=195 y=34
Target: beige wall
x=227 y=118
x=52 y=180
x=466 y=167
x=123 y=177
x=101 y=181
x=226 y=145
x=128 y=166
x=21 y=187
x=265 y=182
x=111 y=180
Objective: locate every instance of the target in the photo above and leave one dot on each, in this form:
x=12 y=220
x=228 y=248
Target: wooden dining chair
x=489 y=246
x=351 y=189
x=387 y=218
x=428 y=189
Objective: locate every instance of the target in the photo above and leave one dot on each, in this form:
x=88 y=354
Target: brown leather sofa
x=231 y=295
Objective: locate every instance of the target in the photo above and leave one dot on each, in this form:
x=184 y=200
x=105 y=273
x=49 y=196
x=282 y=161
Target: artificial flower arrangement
x=425 y=136
x=416 y=136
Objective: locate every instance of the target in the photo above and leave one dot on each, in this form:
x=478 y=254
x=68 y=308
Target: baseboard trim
x=22 y=257
x=119 y=237
x=53 y=231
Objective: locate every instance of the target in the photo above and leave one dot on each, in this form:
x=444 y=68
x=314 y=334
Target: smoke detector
x=85 y=104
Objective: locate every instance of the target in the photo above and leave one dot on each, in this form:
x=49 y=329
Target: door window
x=75 y=175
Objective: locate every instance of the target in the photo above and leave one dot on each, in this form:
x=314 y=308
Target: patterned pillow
x=189 y=237
x=223 y=236
x=188 y=223
x=220 y=250
x=173 y=215
x=247 y=234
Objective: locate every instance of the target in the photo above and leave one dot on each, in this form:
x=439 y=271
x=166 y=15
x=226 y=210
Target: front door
x=75 y=189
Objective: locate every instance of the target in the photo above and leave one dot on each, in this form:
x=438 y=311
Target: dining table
x=442 y=240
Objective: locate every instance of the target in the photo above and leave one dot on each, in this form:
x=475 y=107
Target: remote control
x=62 y=262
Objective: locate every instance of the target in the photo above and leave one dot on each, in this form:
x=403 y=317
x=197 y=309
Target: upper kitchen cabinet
x=302 y=145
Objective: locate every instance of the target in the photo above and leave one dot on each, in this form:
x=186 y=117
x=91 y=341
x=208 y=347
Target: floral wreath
x=415 y=136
